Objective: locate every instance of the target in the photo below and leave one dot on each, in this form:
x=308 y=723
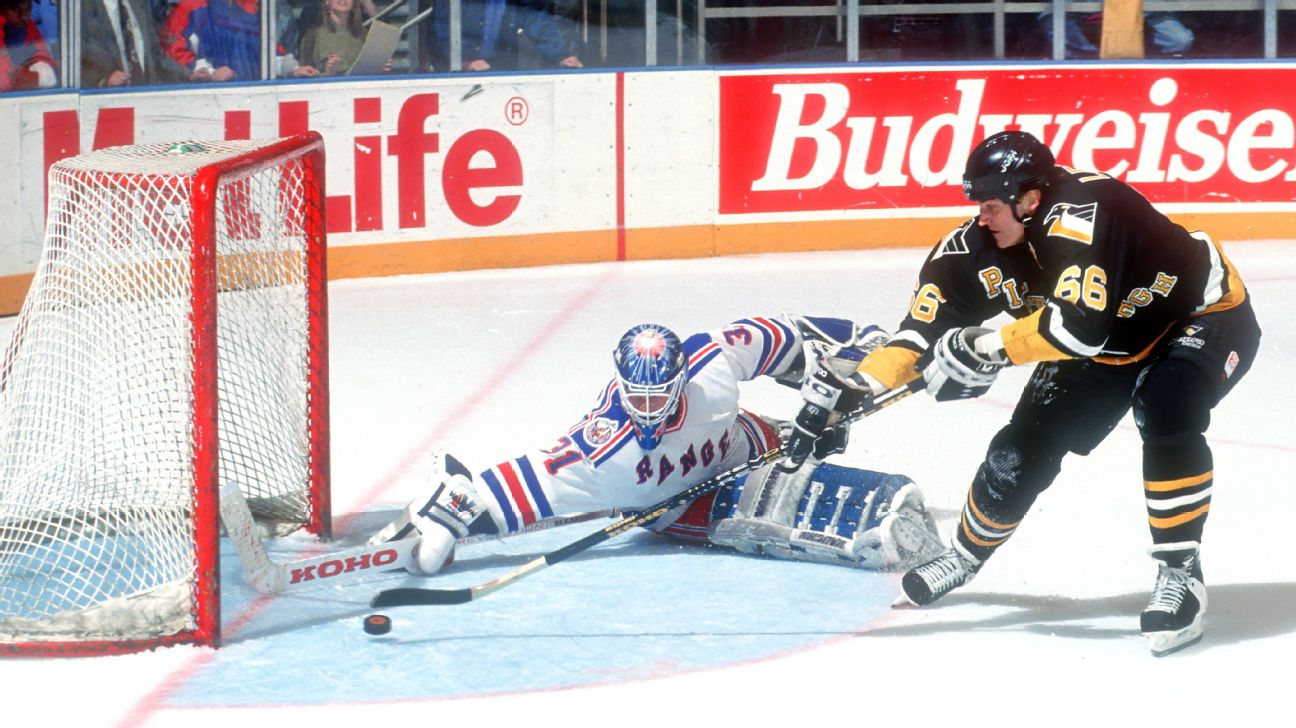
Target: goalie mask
x=651 y=373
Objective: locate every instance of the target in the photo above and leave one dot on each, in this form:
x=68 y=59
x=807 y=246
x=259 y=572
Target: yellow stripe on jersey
x=1236 y=291
x=1167 y=486
x=1024 y=343
x=1180 y=519
x=1122 y=360
x=892 y=366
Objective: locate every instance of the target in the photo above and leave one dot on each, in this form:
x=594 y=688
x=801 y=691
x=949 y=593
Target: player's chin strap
x=415 y=596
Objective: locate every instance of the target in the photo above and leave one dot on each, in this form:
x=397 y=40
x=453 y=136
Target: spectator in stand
x=45 y=14
x=119 y=46
x=161 y=9
x=490 y=34
x=333 y=41
x=25 y=61
x=1169 y=36
x=220 y=40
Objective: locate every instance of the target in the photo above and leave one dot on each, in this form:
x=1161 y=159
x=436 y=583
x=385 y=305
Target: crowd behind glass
x=124 y=43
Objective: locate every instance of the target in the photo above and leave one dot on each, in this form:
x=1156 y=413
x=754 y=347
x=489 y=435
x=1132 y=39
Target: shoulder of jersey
x=701 y=350
x=768 y=338
x=1070 y=209
x=962 y=240
x=605 y=429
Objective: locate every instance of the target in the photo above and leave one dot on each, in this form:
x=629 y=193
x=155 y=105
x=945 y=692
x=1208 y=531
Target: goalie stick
x=410 y=596
x=270 y=577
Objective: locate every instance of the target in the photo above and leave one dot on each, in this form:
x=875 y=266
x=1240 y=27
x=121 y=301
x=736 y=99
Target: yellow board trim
x=684 y=241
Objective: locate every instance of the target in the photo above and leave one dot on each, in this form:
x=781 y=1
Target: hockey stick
x=415 y=596
x=270 y=577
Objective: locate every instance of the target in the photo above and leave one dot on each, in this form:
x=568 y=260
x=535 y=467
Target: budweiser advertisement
x=880 y=140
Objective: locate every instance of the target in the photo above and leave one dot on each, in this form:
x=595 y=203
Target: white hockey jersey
x=598 y=464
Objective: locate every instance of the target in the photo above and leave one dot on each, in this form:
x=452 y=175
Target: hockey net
x=174 y=336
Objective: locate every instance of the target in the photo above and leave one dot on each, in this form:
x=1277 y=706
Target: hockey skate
x=932 y=580
x=1173 y=617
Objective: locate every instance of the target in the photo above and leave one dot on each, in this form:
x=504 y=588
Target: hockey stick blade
x=412 y=596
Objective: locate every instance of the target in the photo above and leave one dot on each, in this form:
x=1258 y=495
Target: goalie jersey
x=598 y=464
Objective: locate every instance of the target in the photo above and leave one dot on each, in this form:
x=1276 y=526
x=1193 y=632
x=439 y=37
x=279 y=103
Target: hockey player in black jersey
x=1122 y=308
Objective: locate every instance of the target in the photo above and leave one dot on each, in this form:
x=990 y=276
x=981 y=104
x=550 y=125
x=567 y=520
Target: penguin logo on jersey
x=600 y=431
x=1073 y=222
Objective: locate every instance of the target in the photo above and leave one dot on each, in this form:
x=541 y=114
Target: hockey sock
x=1172 y=408
x=1003 y=490
x=1177 y=478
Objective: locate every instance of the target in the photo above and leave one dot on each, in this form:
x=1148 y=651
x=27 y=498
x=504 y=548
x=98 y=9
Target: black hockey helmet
x=1005 y=165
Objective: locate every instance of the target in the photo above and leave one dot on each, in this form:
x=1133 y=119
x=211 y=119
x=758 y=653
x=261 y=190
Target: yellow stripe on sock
x=986 y=521
x=1180 y=519
x=967 y=533
x=1162 y=486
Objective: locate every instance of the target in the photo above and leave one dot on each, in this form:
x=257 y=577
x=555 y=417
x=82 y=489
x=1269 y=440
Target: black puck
x=377 y=624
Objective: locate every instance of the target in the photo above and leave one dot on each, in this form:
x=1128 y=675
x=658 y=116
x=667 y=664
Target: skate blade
x=1165 y=643
x=904 y=602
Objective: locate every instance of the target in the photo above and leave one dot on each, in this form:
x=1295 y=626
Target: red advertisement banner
x=882 y=140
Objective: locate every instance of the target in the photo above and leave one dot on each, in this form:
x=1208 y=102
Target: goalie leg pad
x=450 y=498
x=833 y=515
x=450 y=508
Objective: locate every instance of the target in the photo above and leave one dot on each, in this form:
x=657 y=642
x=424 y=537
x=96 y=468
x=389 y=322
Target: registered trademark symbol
x=516 y=111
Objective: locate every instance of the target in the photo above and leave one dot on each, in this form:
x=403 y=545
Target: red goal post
x=174 y=338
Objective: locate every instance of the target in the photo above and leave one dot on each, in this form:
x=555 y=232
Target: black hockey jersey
x=1118 y=274
x=965 y=280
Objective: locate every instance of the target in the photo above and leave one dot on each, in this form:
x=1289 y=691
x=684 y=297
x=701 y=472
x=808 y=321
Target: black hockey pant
x=1071 y=406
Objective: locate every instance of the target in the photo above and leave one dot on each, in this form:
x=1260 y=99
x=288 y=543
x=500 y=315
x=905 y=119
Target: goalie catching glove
x=963 y=363
x=451 y=510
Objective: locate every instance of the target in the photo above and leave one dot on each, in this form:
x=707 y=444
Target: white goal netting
x=98 y=445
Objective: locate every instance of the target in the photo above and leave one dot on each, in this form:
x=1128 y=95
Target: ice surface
x=642 y=630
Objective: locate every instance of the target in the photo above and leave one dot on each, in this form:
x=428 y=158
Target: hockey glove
x=825 y=394
x=963 y=364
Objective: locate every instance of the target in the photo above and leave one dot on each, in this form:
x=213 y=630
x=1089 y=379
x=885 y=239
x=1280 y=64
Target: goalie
x=670 y=420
